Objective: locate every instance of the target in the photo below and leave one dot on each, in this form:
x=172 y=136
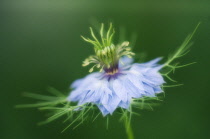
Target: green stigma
x=107 y=54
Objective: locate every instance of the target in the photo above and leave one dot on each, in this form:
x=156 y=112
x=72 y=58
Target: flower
x=120 y=83
x=119 y=80
x=110 y=91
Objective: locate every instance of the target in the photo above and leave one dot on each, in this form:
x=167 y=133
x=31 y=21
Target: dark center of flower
x=112 y=70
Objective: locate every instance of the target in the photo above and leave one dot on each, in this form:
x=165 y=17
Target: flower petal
x=120 y=90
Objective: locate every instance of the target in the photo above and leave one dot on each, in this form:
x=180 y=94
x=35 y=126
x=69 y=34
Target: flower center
x=112 y=70
x=107 y=54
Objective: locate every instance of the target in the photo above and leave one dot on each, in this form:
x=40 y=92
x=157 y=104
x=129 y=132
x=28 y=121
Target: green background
x=40 y=46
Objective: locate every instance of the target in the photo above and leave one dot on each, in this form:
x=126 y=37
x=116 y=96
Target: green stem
x=129 y=131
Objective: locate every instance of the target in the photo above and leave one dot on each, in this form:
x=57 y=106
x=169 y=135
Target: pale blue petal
x=154 y=77
x=85 y=82
x=125 y=61
x=134 y=92
x=110 y=102
x=124 y=105
x=76 y=95
x=120 y=90
x=158 y=89
x=149 y=90
x=153 y=62
x=76 y=83
x=103 y=109
x=136 y=80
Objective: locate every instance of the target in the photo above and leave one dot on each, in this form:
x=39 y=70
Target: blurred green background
x=40 y=46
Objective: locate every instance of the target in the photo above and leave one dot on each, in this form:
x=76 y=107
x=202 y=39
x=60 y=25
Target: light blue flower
x=109 y=92
x=120 y=83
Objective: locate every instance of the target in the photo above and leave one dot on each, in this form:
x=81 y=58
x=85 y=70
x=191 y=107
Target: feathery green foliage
x=169 y=66
x=58 y=106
